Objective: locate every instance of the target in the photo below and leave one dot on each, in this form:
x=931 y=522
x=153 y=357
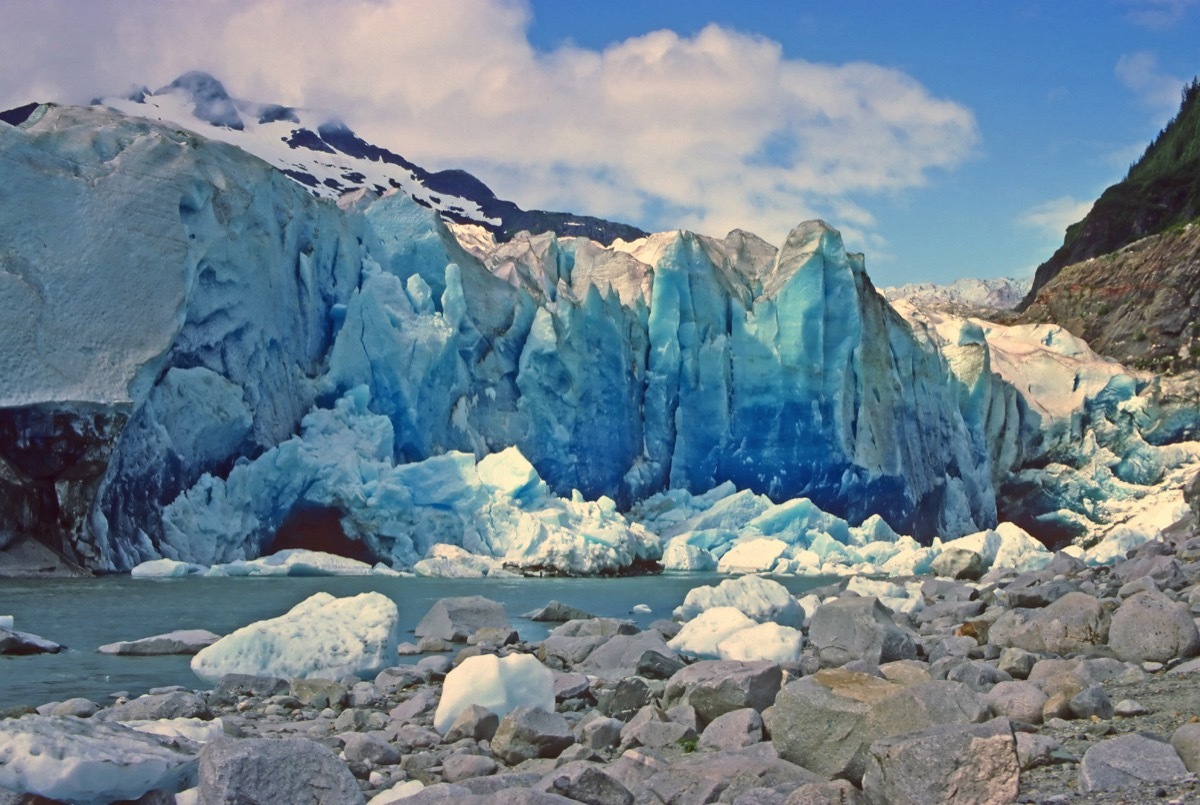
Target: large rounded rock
x=949 y=763
x=1128 y=761
x=825 y=722
x=529 y=732
x=233 y=772
x=151 y=707
x=858 y=628
x=1150 y=626
x=716 y=687
x=959 y=563
x=1076 y=622
x=456 y=619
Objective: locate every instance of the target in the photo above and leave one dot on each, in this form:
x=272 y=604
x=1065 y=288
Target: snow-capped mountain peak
x=321 y=152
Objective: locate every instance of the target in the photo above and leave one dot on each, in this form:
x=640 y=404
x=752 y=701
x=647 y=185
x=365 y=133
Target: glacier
x=226 y=367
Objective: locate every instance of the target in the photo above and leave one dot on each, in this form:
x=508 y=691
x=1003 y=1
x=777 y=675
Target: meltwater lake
x=84 y=614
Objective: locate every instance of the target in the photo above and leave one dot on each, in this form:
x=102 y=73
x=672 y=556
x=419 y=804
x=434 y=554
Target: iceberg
x=322 y=636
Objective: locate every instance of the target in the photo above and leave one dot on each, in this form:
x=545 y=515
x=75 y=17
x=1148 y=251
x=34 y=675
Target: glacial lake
x=83 y=614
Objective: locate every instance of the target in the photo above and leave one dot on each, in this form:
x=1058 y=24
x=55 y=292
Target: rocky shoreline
x=1068 y=683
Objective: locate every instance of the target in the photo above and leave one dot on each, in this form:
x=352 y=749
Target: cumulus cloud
x=1054 y=216
x=709 y=132
x=1140 y=74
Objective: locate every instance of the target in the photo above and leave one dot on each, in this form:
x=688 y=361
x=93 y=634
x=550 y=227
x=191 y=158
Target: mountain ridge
x=326 y=156
x=1160 y=191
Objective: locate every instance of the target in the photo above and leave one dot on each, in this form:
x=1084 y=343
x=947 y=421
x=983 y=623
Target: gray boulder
x=600 y=733
x=949 y=763
x=185 y=641
x=270 y=770
x=530 y=732
x=959 y=563
x=618 y=656
x=456 y=619
x=1150 y=626
x=734 y=730
x=1128 y=761
x=716 y=687
x=1091 y=702
x=825 y=722
x=232 y=688
x=458 y=767
x=368 y=748
x=977 y=675
x=16 y=643
x=557 y=612
x=858 y=628
x=723 y=776
x=1019 y=701
x=319 y=693
x=585 y=782
x=594 y=627
x=1186 y=741
x=1074 y=623
x=653 y=728
x=1165 y=571
x=151 y=707
x=475 y=722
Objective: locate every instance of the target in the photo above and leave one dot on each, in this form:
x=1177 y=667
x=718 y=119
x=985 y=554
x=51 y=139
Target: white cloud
x=1054 y=216
x=712 y=132
x=1158 y=14
x=1140 y=74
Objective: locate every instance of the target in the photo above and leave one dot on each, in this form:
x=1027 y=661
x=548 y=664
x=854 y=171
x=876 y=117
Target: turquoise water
x=83 y=614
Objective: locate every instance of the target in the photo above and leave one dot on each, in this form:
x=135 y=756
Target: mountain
x=1139 y=304
x=967 y=296
x=325 y=156
x=1160 y=192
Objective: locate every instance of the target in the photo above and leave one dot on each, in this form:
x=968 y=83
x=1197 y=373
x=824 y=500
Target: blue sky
x=1065 y=94
x=945 y=139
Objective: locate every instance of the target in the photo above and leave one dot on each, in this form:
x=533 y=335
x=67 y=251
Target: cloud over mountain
x=710 y=132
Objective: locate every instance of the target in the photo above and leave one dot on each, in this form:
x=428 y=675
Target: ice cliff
x=251 y=360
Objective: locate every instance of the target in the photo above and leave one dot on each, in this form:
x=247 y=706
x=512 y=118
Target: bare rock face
x=952 y=763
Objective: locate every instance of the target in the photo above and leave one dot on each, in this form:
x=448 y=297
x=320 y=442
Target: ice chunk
x=683 y=557
x=701 y=634
x=760 y=599
x=322 y=636
x=752 y=556
x=298 y=562
x=89 y=761
x=764 y=641
x=166 y=569
x=500 y=684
